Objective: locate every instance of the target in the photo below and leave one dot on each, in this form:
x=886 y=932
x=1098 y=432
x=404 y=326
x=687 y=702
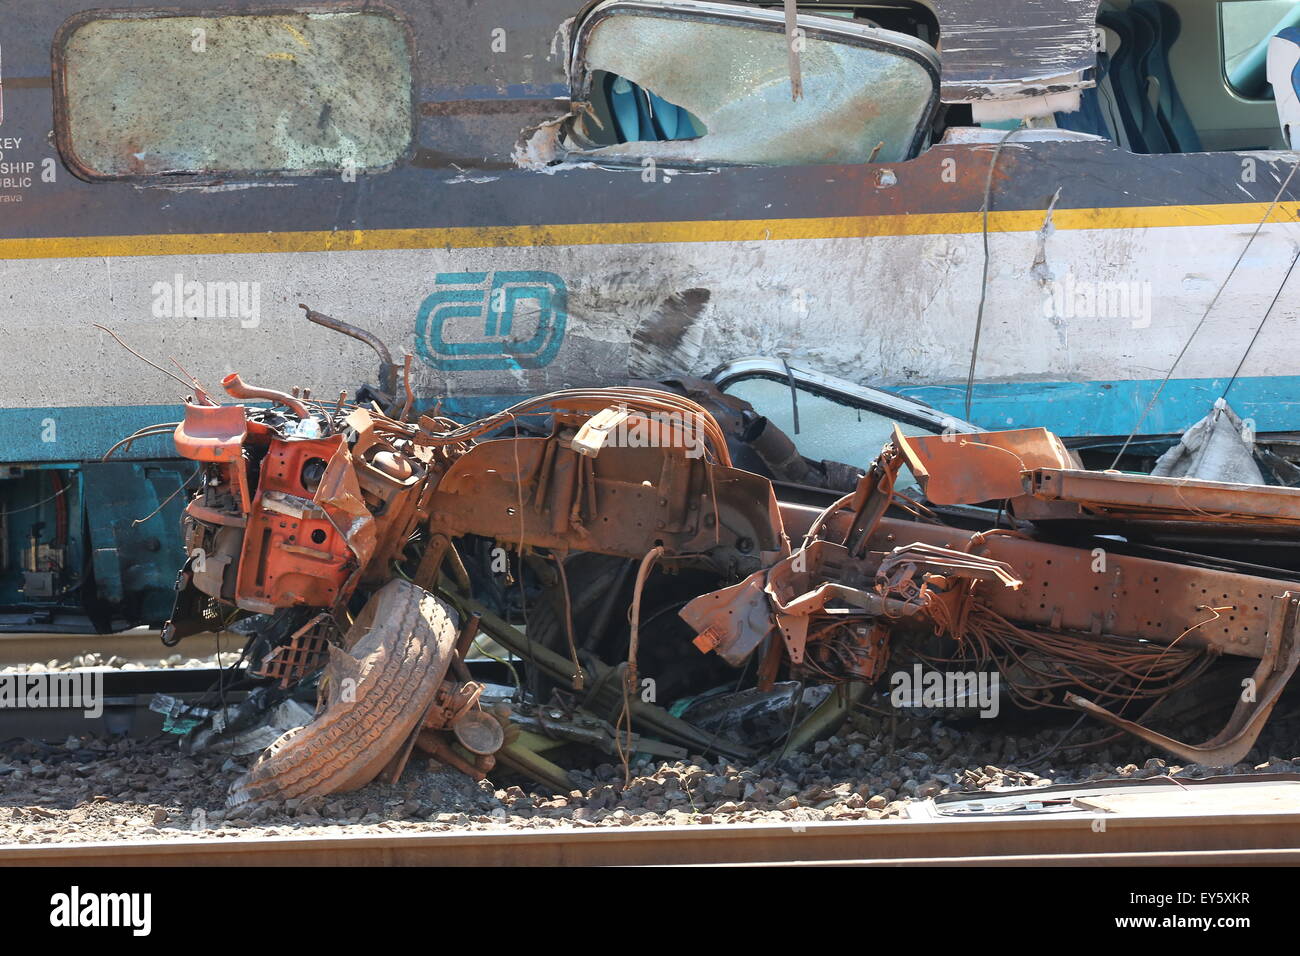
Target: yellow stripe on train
x=624 y=233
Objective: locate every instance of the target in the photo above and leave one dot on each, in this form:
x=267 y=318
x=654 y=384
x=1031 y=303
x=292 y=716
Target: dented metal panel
x=968 y=469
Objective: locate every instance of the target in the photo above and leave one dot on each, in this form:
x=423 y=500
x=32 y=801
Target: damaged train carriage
x=535 y=197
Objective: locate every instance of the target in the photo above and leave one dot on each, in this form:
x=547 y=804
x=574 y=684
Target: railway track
x=1227 y=837
x=150 y=668
x=141 y=645
x=1221 y=839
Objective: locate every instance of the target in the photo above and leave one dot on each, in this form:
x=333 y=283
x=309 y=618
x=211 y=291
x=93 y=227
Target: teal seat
x=640 y=115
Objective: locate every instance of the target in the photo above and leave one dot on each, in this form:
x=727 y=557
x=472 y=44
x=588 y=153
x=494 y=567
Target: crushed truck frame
x=336 y=528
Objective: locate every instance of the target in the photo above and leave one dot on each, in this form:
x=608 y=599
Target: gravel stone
x=88 y=788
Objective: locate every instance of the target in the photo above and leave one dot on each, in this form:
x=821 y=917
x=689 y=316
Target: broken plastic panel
x=167 y=95
x=868 y=94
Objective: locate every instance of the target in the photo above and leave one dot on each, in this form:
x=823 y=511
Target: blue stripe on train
x=1076 y=409
x=1071 y=409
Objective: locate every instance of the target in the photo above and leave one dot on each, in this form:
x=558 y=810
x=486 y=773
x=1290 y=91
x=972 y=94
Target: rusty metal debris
x=307 y=510
x=609 y=513
x=1051 y=617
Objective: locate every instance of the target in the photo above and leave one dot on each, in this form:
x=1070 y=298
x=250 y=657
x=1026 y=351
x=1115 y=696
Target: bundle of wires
x=688 y=413
x=834 y=640
x=1038 y=665
x=149 y=431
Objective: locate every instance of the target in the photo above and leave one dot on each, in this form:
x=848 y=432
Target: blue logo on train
x=480 y=321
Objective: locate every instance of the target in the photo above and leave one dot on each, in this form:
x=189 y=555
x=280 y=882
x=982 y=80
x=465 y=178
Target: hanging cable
x=630 y=675
x=984 y=273
x=1223 y=285
x=44 y=501
x=1260 y=327
x=575 y=681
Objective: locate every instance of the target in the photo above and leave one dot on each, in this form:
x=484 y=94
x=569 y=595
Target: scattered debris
x=368 y=553
x=873 y=768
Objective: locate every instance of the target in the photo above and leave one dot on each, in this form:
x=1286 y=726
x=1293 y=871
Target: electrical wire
x=166 y=501
x=44 y=501
x=687 y=415
x=984 y=272
x=630 y=675
x=149 y=431
x=1186 y=345
x=1260 y=327
x=576 y=682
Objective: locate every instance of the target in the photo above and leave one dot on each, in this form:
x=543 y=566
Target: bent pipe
x=387 y=370
x=237 y=388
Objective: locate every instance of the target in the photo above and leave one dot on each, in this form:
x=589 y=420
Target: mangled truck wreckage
x=348 y=540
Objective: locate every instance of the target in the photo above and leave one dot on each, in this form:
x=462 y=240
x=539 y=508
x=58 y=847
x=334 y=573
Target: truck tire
x=399 y=650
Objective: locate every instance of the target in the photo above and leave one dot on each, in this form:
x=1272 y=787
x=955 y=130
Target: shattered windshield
x=827 y=430
x=730 y=84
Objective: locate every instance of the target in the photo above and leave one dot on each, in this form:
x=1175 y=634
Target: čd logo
x=492 y=320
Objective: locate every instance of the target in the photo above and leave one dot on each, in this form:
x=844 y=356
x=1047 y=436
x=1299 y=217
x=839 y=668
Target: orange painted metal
x=955 y=469
x=1057 y=493
x=293 y=552
x=1011 y=599
x=1081 y=590
x=540 y=492
x=327 y=514
x=304 y=654
x=1250 y=712
x=211 y=432
x=331 y=513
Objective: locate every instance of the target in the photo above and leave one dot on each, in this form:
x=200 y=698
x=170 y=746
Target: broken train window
x=711 y=82
x=148 y=94
x=825 y=427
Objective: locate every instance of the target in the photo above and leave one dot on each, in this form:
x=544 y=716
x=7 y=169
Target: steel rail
x=1152 y=840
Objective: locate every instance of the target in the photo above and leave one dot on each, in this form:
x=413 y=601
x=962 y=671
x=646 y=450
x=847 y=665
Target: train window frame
x=832 y=30
x=63 y=134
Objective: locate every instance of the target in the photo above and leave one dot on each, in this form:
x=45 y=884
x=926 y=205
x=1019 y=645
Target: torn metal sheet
x=987 y=466
x=339 y=495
